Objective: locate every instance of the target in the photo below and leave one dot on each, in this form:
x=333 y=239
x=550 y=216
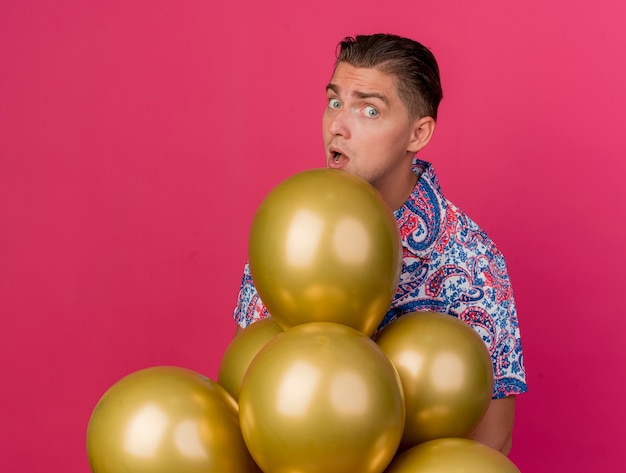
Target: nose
x=337 y=124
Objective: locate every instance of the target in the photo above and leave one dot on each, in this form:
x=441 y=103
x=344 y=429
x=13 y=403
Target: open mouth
x=336 y=157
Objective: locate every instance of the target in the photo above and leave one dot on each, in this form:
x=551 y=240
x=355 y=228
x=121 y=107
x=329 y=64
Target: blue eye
x=334 y=103
x=371 y=111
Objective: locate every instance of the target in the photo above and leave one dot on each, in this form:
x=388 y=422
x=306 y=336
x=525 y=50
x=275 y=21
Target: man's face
x=367 y=131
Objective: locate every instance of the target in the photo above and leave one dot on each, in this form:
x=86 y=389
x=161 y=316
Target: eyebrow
x=360 y=95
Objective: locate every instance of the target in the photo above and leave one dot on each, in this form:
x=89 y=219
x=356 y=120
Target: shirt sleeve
x=465 y=275
x=494 y=317
x=250 y=307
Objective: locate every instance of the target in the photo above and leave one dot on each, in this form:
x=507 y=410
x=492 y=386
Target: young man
x=382 y=109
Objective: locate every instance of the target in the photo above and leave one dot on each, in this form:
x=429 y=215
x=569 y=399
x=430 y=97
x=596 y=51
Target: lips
x=337 y=158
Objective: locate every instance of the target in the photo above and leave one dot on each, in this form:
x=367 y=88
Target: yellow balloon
x=452 y=455
x=324 y=247
x=321 y=398
x=446 y=374
x=241 y=351
x=166 y=419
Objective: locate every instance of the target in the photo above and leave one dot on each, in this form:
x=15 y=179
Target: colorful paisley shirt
x=449 y=265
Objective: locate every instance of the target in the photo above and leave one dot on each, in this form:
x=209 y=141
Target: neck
x=396 y=194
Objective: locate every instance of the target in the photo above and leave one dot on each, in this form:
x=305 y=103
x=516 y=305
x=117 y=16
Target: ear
x=421 y=133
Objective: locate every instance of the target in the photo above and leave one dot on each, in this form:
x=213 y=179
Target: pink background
x=138 y=137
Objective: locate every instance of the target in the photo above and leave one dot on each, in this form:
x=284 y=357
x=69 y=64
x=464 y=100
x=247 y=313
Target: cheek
x=383 y=139
x=398 y=137
x=324 y=121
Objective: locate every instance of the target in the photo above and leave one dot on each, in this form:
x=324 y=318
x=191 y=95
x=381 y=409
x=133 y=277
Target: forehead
x=348 y=80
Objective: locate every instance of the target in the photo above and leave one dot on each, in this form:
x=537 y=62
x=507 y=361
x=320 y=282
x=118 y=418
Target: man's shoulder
x=462 y=238
x=431 y=225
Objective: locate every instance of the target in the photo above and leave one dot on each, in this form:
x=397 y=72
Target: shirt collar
x=421 y=219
